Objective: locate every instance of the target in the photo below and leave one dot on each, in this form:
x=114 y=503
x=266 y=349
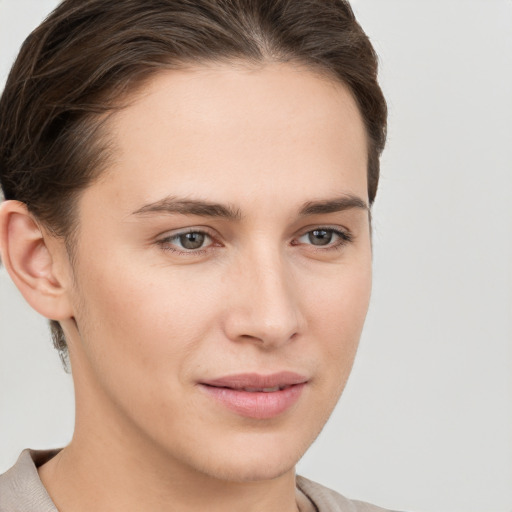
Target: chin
x=258 y=469
x=255 y=459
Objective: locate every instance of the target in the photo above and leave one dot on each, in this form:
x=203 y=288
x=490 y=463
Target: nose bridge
x=266 y=308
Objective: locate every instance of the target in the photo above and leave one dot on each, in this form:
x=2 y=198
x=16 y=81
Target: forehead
x=232 y=130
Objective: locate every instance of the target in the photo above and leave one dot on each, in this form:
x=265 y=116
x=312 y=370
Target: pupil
x=192 y=240
x=320 y=237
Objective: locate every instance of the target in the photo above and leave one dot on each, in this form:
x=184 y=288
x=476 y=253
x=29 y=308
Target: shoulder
x=327 y=500
x=21 y=488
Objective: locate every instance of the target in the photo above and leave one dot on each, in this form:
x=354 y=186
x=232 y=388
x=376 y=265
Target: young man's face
x=227 y=247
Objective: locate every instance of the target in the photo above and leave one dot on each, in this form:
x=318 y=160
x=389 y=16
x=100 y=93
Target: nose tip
x=265 y=310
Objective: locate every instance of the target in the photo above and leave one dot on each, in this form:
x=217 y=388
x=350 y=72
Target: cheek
x=336 y=318
x=339 y=303
x=144 y=324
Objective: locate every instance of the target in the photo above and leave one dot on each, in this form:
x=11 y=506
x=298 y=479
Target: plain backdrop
x=425 y=423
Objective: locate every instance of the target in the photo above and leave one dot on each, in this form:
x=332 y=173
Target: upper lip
x=257 y=381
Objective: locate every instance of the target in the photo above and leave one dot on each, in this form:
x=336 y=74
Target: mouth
x=256 y=396
x=259 y=390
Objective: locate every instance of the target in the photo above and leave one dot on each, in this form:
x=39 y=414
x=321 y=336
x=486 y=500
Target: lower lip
x=258 y=405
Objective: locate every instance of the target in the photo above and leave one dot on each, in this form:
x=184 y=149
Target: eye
x=190 y=241
x=320 y=237
x=325 y=237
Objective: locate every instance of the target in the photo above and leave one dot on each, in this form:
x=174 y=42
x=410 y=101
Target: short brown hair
x=90 y=53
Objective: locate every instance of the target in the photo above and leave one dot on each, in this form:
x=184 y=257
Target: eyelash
x=165 y=243
x=345 y=237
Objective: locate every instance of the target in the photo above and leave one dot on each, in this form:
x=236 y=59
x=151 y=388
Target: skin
x=146 y=320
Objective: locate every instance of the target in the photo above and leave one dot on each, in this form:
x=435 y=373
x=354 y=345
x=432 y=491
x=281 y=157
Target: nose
x=264 y=306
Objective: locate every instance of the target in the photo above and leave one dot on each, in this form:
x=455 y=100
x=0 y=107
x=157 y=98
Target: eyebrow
x=337 y=204
x=202 y=208
x=190 y=207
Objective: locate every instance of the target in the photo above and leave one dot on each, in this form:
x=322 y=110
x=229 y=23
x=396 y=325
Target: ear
x=35 y=265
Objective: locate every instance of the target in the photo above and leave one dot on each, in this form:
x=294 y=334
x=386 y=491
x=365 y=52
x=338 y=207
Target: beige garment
x=21 y=490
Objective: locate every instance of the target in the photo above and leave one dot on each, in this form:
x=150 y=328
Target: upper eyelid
x=208 y=231
x=336 y=229
x=183 y=231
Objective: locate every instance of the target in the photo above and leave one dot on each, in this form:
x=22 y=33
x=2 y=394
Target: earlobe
x=30 y=263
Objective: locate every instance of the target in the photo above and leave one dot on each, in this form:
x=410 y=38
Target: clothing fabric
x=21 y=490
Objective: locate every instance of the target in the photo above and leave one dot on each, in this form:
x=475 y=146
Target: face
x=223 y=269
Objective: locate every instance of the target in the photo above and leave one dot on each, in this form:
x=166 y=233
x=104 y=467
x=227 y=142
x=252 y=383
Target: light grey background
x=425 y=423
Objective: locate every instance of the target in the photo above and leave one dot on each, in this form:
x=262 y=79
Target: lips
x=256 y=396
